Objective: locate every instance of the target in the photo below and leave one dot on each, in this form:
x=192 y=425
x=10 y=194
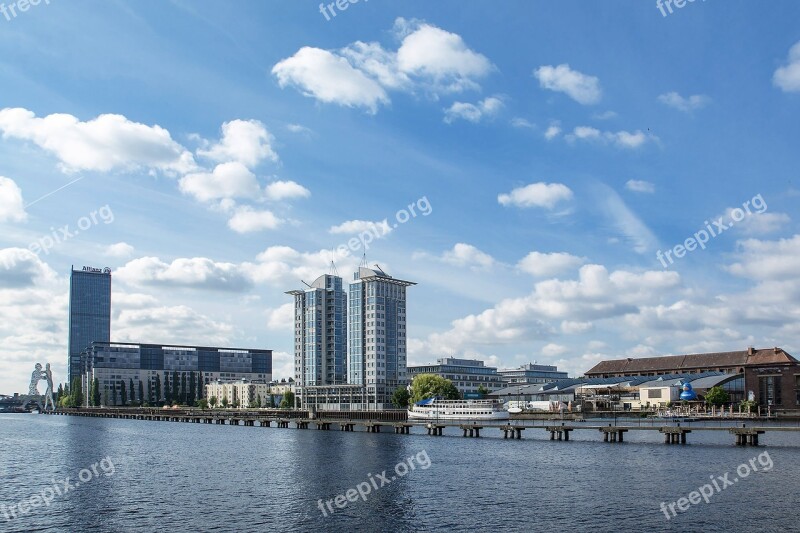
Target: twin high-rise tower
x=362 y=343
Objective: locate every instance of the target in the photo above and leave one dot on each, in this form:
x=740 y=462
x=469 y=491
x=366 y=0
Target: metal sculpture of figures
x=37 y=376
x=33 y=391
x=48 y=395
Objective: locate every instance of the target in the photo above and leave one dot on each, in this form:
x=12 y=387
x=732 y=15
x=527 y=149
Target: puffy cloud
x=248 y=220
x=757 y=223
x=687 y=105
x=553 y=131
x=282 y=265
x=298 y=128
x=440 y=56
x=378 y=63
x=170 y=325
x=787 y=77
x=329 y=78
x=487 y=107
x=542 y=264
x=768 y=260
x=545 y=195
x=467 y=255
x=620 y=139
x=20 y=268
x=640 y=186
x=580 y=87
x=12 y=207
x=120 y=249
x=554 y=350
x=595 y=295
x=33 y=307
x=227 y=180
x=195 y=273
x=351 y=227
x=286 y=190
x=106 y=143
x=281 y=318
x=245 y=141
x=360 y=74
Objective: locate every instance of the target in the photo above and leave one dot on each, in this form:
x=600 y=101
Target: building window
x=770 y=390
x=797 y=388
x=654 y=393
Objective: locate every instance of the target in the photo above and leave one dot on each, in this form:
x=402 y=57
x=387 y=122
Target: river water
x=161 y=476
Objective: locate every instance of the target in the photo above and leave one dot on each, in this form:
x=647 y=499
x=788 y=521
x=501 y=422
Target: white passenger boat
x=438 y=409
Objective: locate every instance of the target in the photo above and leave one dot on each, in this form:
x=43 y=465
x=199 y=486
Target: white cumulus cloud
x=227 y=180
x=787 y=77
x=12 y=207
x=580 y=87
x=108 y=142
x=487 y=107
x=245 y=141
x=688 y=104
x=549 y=264
x=329 y=78
x=286 y=190
x=640 y=186
x=248 y=220
x=545 y=195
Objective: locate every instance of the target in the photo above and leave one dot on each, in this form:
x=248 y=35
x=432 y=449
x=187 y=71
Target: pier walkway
x=744 y=433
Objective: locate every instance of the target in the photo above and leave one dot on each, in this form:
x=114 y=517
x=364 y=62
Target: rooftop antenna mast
x=334 y=272
x=363 y=261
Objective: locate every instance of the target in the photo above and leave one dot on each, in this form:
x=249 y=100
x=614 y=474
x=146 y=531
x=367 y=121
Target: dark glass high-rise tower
x=89 y=313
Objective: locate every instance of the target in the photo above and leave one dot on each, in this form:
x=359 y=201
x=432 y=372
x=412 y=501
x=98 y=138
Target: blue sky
x=217 y=154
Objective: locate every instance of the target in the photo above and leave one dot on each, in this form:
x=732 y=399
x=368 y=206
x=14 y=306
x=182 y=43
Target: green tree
x=122 y=393
x=201 y=403
x=96 y=392
x=400 y=397
x=60 y=393
x=258 y=400
x=201 y=386
x=288 y=400
x=483 y=391
x=184 y=392
x=158 y=389
x=212 y=401
x=192 y=388
x=717 y=396
x=749 y=407
x=132 y=393
x=225 y=402
x=77 y=393
x=167 y=390
x=272 y=401
x=430 y=385
x=141 y=392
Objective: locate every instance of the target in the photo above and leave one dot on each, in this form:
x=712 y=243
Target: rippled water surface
x=197 y=477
